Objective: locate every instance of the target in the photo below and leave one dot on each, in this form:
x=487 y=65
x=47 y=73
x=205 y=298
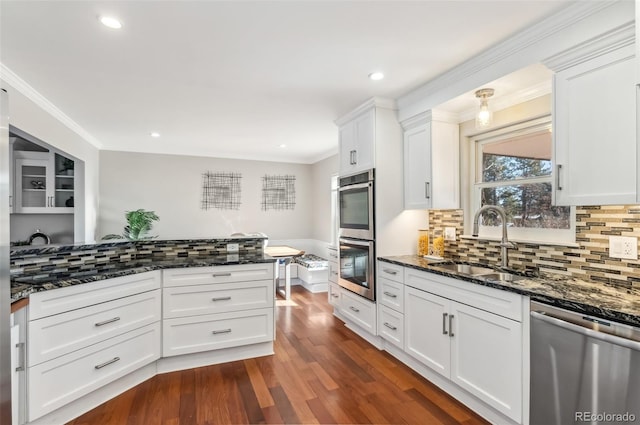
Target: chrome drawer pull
x=223 y=331
x=336 y=273
x=221 y=299
x=335 y=295
x=20 y=346
x=393 y=272
x=389 y=294
x=444 y=324
x=393 y=328
x=354 y=309
x=221 y=274
x=107 y=363
x=451 y=326
x=334 y=255
x=106 y=322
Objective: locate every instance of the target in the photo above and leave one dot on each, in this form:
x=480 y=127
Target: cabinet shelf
x=64 y=190
x=34 y=175
x=64 y=176
x=34 y=190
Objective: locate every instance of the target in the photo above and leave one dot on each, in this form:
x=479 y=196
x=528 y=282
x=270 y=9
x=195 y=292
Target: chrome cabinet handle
x=222 y=331
x=444 y=324
x=10 y=201
x=559 y=167
x=333 y=255
x=221 y=274
x=221 y=299
x=21 y=355
x=335 y=295
x=427 y=193
x=451 y=326
x=106 y=322
x=107 y=363
x=392 y=272
x=393 y=328
x=354 y=309
x=389 y=294
x=355 y=157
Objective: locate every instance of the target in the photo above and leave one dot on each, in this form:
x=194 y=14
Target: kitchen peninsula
x=103 y=318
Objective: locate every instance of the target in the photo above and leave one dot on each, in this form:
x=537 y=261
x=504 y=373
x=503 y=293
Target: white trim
x=36 y=97
x=374 y=102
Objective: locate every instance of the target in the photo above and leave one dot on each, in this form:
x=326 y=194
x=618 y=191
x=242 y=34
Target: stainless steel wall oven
x=357 y=265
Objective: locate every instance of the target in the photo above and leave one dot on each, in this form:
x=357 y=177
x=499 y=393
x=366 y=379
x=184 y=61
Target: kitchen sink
x=501 y=277
x=466 y=269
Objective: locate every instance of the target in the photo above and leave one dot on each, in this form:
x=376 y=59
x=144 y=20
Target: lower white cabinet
x=479 y=351
x=334 y=294
x=391 y=326
x=359 y=310
x=18 y=367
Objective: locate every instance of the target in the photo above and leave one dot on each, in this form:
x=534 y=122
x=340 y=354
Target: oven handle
x=355 y=186
x=355 y=242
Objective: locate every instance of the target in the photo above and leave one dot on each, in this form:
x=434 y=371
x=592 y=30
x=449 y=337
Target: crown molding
x=374 y=102
x=551 y=25
x=11 y=78
x=429 y=116
x=617 y=38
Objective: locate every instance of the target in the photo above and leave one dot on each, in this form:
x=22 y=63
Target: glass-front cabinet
x=44 y=183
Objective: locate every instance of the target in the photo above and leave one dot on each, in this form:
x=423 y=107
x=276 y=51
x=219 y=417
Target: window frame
x=523 y=234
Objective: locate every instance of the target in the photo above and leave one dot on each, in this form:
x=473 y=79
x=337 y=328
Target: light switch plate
x=232 y=247
x=625 y=247
x=449 y=233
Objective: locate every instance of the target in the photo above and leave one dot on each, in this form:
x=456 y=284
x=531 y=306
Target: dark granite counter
x=25 y=283
x=594 y=298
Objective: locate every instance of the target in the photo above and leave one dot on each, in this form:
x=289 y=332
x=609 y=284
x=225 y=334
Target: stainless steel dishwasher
x=583 y=369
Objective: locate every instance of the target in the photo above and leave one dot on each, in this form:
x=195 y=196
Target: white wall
x=59 y=227
x=321 y=173
x=29 y=117
x=171 y=185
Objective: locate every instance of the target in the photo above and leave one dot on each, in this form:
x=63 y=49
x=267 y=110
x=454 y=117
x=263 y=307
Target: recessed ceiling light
x=283 y=145
x=111 y=22
x=375 y=76
x=154 y=134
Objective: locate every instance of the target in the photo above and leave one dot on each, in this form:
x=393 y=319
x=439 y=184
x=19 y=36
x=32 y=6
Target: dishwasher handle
x=612 y=339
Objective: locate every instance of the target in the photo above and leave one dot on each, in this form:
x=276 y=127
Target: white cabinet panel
x=334 y=295
x=57 y=335
x=391 y=294
x=391 y=326
x=359 y=310
x=417 y=168
x=18 y=367
x=215 y=331
x=486 y=358
x=357 y=140
x=181 y=301
x=47 y=303
x=217 y=274
x=57 y=382
x=594 y=131
x=391 y=271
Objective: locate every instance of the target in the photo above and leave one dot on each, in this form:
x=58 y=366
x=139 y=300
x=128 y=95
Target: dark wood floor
x=321 y=373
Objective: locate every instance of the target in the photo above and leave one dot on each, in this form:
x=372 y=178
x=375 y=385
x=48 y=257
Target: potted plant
x=67 y=166
x=139 y=223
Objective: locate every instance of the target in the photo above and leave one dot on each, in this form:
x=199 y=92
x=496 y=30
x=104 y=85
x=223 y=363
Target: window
x=513 y=170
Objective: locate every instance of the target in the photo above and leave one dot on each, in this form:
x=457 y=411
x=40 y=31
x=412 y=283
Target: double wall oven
x=357 y=234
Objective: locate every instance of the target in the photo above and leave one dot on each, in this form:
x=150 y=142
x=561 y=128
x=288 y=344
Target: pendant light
x=484 y=117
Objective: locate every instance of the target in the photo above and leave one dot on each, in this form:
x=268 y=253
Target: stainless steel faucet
x=504 y=244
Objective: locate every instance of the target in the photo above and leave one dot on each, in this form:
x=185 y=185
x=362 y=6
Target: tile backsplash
x=589 y=261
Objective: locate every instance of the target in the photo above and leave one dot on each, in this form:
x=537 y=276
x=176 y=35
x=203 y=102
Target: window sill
x=524 y=241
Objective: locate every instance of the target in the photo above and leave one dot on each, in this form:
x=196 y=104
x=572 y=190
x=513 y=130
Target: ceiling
x=241 y=78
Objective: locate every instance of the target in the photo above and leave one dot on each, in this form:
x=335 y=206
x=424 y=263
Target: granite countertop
x=594 y=298
x=24 y=284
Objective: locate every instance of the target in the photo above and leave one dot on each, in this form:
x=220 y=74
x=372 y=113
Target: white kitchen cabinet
x=359 y=310
x=18 y=367
x=391 y=326
x=476 y=349
x=594 y=128
x=431 y=162
x=357 y=143
x=40 y=184
x=334 y=294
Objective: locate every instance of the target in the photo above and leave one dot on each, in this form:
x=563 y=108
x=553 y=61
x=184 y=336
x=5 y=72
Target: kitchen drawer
x=56 y=301
x=182 y=301
x=54 y=336
x=57 y=382
x=333 y=254
x=217 y=274
x=334 y=272
x=391 y=326
x=360 y=310
x=214 y=331
x=391 y=294
x=334 y=295
x=391 y=271
x=496 y=301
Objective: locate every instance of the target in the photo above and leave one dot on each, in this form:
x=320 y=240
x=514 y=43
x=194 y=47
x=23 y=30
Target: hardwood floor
x=321 y=373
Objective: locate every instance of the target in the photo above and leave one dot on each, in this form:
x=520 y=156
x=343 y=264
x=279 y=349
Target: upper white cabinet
x=431 y=162
x=359 y=131
x=42 y=183
x=594 y=123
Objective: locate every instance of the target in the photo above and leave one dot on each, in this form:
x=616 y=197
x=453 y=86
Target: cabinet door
x=486 y=358
x=365 y=130
x=426 y=329
x=18 y=367
x=32 y=185
x=594 y=131
x=417 y=167
x=445 y=165
x=347 y=138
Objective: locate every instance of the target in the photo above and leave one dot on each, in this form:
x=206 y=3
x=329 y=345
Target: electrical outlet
x=625 y=247
x=449 y=233
x=232 y=247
